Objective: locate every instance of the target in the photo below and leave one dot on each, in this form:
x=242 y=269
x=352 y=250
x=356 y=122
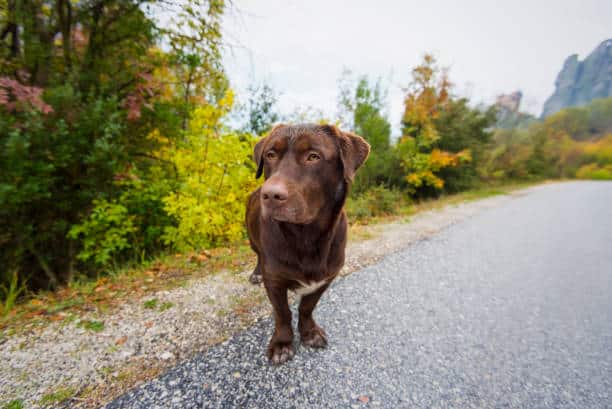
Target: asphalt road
x=509 y=309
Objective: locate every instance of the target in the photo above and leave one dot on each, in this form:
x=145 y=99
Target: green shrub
x=595 y=172
x=105 y=233
x=357 y=208
x=375 y=202
x=144 y=200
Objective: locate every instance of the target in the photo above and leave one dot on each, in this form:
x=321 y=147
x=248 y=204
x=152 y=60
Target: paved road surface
x=510 y=309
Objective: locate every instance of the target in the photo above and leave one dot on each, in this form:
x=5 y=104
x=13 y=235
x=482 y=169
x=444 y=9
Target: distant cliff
x=579 y=82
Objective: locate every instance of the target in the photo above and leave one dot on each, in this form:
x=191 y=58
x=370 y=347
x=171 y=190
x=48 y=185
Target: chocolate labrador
x=296 y=222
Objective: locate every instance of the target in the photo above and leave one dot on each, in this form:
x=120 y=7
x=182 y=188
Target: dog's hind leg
x=256 y=276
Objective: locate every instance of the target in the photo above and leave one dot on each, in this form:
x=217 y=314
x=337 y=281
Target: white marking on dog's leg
x=309 y=288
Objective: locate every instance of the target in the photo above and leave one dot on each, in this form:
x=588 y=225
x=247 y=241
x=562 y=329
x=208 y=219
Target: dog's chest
x=309 y=287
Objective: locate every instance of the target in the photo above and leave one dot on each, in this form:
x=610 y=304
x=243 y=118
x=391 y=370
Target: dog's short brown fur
x=296 y=222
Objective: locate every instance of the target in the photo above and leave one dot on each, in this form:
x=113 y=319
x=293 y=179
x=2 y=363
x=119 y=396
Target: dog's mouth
x=287 y=214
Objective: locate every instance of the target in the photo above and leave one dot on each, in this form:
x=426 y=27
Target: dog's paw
x=280 y=353
x=255 y=278
x=315 y=338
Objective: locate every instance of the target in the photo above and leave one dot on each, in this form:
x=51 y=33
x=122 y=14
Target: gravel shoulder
x=76 y=365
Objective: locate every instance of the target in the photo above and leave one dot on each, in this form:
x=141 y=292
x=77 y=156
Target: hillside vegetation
x=574 y=142
x=115 y=146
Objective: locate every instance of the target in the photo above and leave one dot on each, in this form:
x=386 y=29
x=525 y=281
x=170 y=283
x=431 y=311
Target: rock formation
x=579 y=82
x=508 y=114
x=509 y=102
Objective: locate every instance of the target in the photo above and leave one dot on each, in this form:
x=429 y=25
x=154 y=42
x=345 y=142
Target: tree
x=88 y=100
x=361 y=107
x=425 y=99
x=463 y=129
x=261 y=111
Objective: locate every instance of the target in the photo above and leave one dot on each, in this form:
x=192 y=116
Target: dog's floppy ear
x=354 y=150
x=258 y=151
x=258 y=156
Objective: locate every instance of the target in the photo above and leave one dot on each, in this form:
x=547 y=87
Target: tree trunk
x=64 y=12
x=53 y=281
x=12 y=29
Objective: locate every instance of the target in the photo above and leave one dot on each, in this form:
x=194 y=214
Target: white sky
x=490 y=47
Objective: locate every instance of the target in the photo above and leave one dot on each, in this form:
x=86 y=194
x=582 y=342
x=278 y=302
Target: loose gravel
x=137 y=343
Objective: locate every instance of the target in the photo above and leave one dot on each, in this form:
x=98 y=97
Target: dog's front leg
x=311 y=334
x=280 y=348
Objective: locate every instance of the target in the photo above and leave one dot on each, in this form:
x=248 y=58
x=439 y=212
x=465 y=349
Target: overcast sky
x=490 y=47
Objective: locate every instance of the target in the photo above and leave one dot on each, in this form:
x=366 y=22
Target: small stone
x=364 y=399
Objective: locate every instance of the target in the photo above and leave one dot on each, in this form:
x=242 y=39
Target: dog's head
x=306 y=167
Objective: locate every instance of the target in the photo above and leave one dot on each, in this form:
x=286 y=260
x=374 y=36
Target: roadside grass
x=91 y=325
x=10 y=294
x=14 y=404
x=57 y=396
x=110 y=291
x=101 y=295
x=150 y=304
x=153 y=304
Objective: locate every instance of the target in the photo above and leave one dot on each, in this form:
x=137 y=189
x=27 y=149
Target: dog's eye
x=313 y=157
x=271 y=155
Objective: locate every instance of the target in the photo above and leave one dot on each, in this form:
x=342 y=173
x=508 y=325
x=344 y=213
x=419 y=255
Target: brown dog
x=296 y=222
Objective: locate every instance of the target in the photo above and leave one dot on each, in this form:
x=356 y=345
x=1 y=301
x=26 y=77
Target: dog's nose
x=274 y=192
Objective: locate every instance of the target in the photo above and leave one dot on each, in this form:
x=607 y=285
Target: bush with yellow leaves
x=215 y=174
